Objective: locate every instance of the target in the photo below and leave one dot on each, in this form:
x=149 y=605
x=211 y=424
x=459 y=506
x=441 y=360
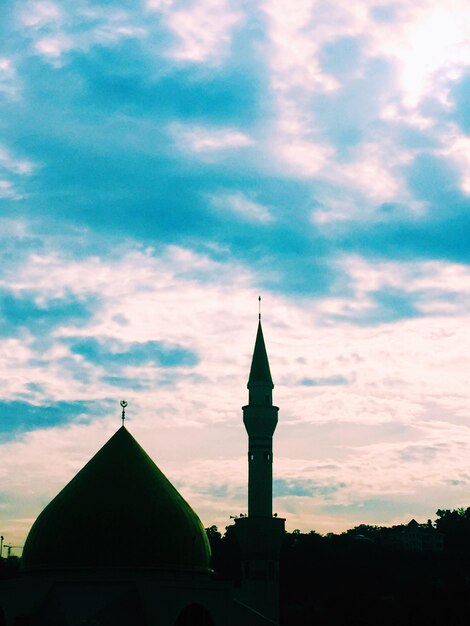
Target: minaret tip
x=259 y=308
x=123 y=404
x=259 y=371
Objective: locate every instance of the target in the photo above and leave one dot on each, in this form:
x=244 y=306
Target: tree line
x=361 y=577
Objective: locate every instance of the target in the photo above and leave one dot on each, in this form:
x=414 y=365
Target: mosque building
x=78 y=569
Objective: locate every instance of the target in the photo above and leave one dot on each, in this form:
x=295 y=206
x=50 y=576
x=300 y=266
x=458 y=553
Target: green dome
x=119 y=510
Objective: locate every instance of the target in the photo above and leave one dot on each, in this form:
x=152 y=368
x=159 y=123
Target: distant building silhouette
x=414 y=537
x=77 y=565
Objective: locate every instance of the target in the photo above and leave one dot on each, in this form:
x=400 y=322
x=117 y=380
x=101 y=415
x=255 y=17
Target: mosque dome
x=118 y=511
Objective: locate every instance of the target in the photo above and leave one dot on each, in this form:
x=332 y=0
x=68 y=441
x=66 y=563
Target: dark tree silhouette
x=369 y=575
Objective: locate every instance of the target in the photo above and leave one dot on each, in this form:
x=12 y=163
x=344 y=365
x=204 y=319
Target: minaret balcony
x=260 y=421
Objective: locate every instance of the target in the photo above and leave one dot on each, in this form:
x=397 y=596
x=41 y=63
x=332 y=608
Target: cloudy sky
x=163 y=163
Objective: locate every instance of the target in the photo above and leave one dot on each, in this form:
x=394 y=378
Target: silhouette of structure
x=260 y=534
x=414 y=537
x=78 y=568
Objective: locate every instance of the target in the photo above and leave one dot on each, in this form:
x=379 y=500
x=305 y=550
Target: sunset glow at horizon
x=162 y=164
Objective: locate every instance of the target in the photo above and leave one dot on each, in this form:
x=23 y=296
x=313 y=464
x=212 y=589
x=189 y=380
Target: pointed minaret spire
x=259 y=371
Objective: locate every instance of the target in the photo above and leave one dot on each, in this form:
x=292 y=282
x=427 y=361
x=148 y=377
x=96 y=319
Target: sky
x=162 y=164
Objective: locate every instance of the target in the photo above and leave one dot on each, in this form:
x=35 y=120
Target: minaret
x=260 y=419
x=260 y=534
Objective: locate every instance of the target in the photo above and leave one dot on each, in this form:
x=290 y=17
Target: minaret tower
x=260 y=419
x=260 y=533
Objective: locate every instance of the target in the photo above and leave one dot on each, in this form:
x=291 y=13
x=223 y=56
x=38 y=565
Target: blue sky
x=163 y=163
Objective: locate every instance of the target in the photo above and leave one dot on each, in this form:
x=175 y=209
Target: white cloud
x=435 y=287
x=207 y=140
x=203 y=30
x=14 y=164
x=430 y=44
x=303 y=158
x=456 y=148
x=243 y=207
x=40 y=13
x=9 y=83
x=159 y=5
x=7 y=190
x=56 y=30
x=372 y=170
x=428 y=48
x=293 y=33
